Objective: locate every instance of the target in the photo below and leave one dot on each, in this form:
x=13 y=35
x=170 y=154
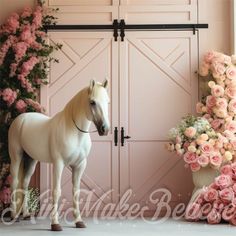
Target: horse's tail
x=16 y=154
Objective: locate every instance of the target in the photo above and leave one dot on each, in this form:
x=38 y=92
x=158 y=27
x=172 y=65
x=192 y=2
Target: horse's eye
x=92 y=103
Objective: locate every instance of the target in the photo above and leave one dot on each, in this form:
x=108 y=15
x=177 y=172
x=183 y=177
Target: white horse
x=62 y=140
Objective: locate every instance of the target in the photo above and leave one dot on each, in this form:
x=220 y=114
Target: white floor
x=136 y=227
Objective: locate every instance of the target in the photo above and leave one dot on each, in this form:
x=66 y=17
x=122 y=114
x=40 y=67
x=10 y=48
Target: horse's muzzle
x=103 y=130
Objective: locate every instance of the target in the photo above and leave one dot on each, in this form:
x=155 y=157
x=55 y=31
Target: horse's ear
x=105 y=83
x=91 y=86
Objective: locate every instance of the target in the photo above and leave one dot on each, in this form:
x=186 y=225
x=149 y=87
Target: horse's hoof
x=27 y=217
x=80 y=224
x=56 y=227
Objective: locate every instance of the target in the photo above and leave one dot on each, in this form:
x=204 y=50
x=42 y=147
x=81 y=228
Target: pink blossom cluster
x=27 y=38
x=34 y=104
x=27 y=66
x=216 y=202
x=9 y=96
x=6 y=46
x=219 y=107
x=11 y=25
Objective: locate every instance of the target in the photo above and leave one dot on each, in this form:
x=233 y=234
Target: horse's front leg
x=57 y=173
x=76 y=178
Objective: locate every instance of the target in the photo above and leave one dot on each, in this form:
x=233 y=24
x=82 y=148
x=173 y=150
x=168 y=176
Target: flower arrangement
x=216 y=202
x=198 y=143
x=215 y=144
x=24 y=63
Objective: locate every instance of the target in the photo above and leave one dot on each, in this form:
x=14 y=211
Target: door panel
x=85 y=56
x=158 y=11
x=85 y=12
x=158 y=87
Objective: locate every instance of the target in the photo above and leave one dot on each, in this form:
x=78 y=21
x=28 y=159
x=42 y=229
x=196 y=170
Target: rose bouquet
x=199 y=144
x=216 y=202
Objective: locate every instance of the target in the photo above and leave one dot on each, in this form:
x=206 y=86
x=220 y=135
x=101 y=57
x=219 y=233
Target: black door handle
x=123 y=137
x=116 y=136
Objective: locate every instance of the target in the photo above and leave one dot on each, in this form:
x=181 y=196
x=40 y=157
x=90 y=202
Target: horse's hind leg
x=16 y=154
x=29 y=168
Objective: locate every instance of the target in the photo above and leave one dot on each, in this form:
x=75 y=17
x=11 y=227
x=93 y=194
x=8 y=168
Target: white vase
x=204 y=177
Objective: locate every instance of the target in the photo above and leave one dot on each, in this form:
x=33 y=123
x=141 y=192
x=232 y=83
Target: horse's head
x=98 y=101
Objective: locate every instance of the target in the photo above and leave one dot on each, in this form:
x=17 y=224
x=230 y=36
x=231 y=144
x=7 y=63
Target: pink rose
x=230 y=91
x=203 y=160
x=9 y=96
x=226 y=195
x=211 y=195
x=206 y=147
x=231 y=126
x=21 y=106
x=231 y=72
x=190 y=132
x=193 y=212
x=228 y=212
x=217 y=91
x=195 y=167
x=223 y=181
x=232 y=105
x=211 y=101
x=221 y=103
x=221 y=113
x=226 y=170
x=214 y=217
x=186 y=145
x=216 y=159
x=218 y=68
x=190 y=157
x=216 y=124
x=209 y=56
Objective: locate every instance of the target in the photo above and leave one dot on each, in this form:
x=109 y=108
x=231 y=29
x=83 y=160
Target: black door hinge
x=115 y=28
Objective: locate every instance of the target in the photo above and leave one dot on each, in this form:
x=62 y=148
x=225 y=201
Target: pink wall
x=217 y=13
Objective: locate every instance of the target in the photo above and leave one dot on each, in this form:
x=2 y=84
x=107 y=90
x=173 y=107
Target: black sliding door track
x=122 y=27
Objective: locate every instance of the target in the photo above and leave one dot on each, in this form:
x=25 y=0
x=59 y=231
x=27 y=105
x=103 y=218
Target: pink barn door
x=158 y=86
